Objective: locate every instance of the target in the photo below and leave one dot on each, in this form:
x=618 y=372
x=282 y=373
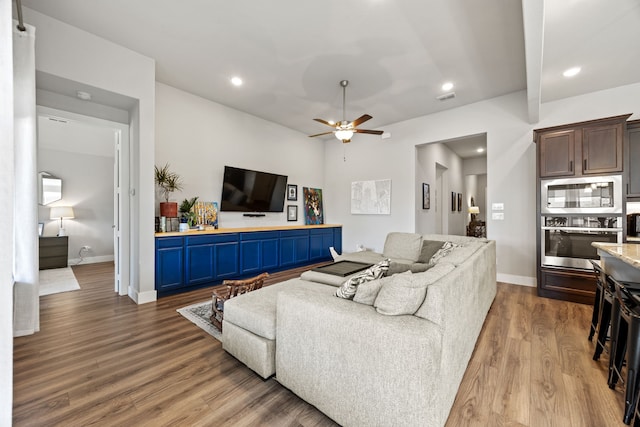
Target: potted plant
x=168 y=182
x=186 y=211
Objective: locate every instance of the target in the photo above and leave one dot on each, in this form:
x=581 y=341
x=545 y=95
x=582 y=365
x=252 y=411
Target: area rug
x=56 y=280
x=199 y=315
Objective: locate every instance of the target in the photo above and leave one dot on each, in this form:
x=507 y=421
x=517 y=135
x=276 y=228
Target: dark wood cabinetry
x=586 y=148
x=53 y=252
x=633 y=159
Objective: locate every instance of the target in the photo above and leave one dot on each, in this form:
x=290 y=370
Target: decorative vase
x=169 y=209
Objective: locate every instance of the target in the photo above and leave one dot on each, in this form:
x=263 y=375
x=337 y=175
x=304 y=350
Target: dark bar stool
x=597 y=304
x=625 y=341
x=605 y=305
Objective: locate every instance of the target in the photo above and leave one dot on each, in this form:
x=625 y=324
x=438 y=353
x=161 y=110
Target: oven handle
x=612 y=230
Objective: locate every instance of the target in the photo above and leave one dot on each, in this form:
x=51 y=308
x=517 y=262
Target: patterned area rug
x=56 y=280
x=199 y=315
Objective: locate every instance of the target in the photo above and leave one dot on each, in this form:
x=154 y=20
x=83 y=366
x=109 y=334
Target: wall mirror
x=50 y=188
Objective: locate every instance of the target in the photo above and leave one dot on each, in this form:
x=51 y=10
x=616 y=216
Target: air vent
x=446 y=96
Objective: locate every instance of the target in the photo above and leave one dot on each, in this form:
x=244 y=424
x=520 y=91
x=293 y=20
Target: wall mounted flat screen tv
x=246 y=190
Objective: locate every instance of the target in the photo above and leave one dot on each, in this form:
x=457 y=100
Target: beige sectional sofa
x=359 y=366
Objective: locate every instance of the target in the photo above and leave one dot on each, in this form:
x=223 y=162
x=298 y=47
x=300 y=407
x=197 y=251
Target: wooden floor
x=100 y=359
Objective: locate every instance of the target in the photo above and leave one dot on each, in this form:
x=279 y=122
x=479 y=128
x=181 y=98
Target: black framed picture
x=292 y=192
x=454 y=201
x=292 y=212
x=459 y=202
x=426 y=197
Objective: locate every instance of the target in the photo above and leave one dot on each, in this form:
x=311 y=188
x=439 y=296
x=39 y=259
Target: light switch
x=497 y=207
x=498 y=216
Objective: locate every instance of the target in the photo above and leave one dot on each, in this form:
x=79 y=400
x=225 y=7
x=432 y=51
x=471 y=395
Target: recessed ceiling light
x=447 y=86
x=480 y=150
x=236 y=81
x=85 y=96
x=571 y=72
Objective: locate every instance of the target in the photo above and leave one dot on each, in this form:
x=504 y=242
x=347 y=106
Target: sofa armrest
x=358 y=366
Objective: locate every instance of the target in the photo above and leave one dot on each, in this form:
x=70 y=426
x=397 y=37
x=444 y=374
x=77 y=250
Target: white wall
x=70 y=53
x=198 y=138
x=87 y=186
x=426 y=158
x=510 y=168
x=6 y=215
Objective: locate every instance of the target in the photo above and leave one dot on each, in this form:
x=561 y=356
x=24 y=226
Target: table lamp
x=61 y=212
x=474 y=210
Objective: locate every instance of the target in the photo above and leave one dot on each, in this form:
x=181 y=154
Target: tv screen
x=252 y=191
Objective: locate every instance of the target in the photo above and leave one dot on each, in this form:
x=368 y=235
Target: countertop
x=243 y=230
x=627 y=252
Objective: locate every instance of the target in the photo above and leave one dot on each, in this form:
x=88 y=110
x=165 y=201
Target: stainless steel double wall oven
x=576 y=212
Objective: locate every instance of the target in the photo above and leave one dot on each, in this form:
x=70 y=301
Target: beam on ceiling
x=533 y=20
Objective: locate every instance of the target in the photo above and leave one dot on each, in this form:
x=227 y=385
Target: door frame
x=122 y=221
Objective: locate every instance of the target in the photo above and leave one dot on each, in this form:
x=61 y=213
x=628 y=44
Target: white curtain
x=26 y=318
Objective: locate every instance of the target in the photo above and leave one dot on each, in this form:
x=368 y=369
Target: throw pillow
x=429 y=249
x=445 y=250
x=402 y=245
x=348 y=288
x=367 y=292
x=401 y=267
x=402 y=295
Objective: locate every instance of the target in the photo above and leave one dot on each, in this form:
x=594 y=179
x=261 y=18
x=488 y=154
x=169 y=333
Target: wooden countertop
x=243 y=230
x=627 y=252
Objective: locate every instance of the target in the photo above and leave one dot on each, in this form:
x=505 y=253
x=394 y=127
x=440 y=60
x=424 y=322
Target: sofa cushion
x=404 y=294
x=460 y=254
x=403 y=245
x=433 y=305
x=367 y=292
x=369 y=257
x=429 y=249
x=445 y=250
x=348 y=288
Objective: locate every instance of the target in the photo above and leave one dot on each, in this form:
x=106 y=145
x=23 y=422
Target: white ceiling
x=396 y=54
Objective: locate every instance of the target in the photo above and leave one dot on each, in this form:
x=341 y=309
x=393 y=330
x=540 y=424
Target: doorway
x=441 y=223
x=93 y=154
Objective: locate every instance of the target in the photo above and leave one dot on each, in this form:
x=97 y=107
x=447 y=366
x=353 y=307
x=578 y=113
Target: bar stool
x=597 y=304
x=605 y=305
x=625 y=341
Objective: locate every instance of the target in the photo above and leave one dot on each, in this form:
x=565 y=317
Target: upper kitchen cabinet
x=633 y=159
x=587 y=148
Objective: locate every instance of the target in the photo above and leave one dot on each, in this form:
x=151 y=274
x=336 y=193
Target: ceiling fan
x=344 y=130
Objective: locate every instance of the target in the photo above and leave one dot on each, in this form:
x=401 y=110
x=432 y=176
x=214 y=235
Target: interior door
x=121 y=212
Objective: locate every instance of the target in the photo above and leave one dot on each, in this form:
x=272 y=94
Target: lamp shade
x=344 y=134
x=474 y=210
x=61 y=212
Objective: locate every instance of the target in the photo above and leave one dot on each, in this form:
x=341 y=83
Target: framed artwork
x=371 y=197
x=426 y=197
x=313 y=212
x=40 y=228
x=454 y=201
x=459 y=202
x=292 y=192
x=292 y=212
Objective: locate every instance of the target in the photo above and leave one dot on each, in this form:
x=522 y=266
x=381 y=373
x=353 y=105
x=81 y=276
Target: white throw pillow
x=402 y=295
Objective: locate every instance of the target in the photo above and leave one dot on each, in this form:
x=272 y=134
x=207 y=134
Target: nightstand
x=53 y=252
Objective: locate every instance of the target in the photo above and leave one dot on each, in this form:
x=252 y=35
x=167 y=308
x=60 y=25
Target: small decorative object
x=454 y=201
x=292 y=213
x=371 y=197
x=187 y=212
x=40 y=228
x=426 y=196
x=313 y=213
x=459 y=202
x=292 y=192
x=163 y=224
x=168 y=182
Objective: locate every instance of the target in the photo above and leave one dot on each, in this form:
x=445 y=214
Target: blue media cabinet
x=194 y=259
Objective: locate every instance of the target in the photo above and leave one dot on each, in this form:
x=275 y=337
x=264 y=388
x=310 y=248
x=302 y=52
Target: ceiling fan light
x=344 y=134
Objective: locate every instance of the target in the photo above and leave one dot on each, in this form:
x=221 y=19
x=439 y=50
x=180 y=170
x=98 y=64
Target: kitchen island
x=620 y=260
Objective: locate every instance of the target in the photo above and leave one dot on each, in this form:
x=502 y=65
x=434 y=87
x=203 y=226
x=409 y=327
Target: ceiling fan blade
x=372 y=132
x=361 y=120
x=324 y=122
x=320 y=134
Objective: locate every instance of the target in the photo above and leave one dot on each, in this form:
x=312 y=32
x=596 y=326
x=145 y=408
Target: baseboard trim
x=90 y=260
x=517 y=280
x=142 y=297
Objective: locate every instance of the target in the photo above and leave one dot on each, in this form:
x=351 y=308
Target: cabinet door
x=269 y=254
x=634 y=162
x=337 y=239
x=226 y=260
x=319 y=243
x=557 y=153
x=169 y=263
x=199 y=263
x=602 y=149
